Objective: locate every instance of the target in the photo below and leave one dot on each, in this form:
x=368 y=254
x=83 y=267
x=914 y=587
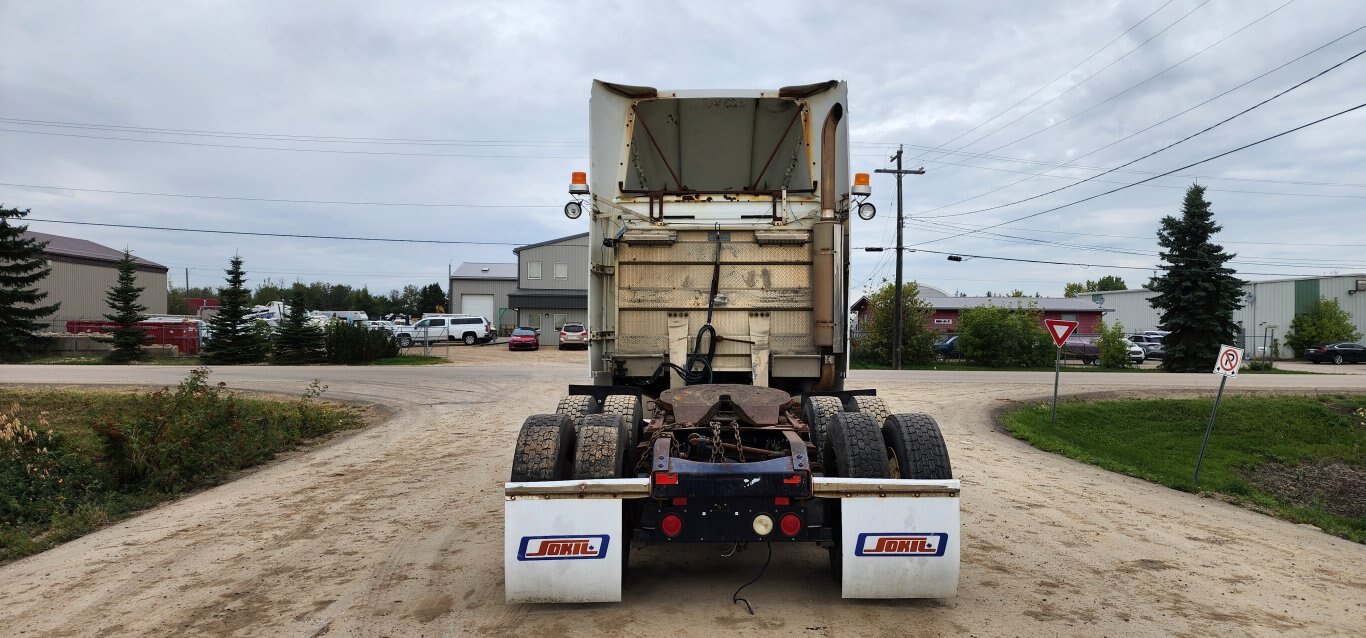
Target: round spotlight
x=572 y=210
x=763 y=525
x=671 y=525
x=867 y=211
x=790 y=524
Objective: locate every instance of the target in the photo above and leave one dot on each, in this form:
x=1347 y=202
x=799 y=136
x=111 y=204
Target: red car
x=524 y=339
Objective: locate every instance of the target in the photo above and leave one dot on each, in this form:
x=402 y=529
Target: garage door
x=481 y=305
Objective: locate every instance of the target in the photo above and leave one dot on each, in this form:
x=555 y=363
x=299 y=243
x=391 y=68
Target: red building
x=947 y=308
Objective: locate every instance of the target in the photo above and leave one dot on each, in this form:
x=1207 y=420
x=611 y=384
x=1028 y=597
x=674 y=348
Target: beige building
x=84 y=271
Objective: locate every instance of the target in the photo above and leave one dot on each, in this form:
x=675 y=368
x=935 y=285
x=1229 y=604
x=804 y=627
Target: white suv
x=470 y=329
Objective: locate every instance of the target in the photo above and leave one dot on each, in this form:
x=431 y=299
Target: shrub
x=1002 y=337
x=1325 y=323
x=917 y=340
x=1114 y=352
x=350 y=344
x=40 y=477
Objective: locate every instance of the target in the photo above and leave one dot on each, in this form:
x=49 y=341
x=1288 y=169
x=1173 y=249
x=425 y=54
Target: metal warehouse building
x=1268 y=307
x=83 y=271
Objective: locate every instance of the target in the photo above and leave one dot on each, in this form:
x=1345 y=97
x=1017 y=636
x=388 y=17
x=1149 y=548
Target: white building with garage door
x=482 y=289
x=1268 y=307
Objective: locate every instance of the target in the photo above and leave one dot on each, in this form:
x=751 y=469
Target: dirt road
x=397 y=531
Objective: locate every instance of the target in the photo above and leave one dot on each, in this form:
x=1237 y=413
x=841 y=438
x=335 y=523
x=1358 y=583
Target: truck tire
x=817 y=412
x=469 y=339
x=628 y=407
x=600 y=452
x=543 y=449
x=915 y=447
x=405 y=341
x=577 y=406
x=870 y=405
x=855 y=446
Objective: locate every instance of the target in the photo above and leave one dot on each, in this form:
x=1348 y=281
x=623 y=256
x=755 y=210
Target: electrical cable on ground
x=735 y=598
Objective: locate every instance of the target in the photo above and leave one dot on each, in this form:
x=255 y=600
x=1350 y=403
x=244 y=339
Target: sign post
x=1059 y=330
x=1226 y=365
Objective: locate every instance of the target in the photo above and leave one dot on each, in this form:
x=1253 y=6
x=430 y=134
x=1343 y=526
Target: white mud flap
x=562 y=540
x=899 y=538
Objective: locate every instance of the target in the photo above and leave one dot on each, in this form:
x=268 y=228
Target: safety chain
x=739 y=445
x=717 y=453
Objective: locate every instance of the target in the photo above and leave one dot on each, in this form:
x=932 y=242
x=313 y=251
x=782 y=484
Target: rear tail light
x=790 y=524
x=671 y=525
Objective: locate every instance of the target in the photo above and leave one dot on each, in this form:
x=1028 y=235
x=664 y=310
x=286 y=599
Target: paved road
x=396 y=531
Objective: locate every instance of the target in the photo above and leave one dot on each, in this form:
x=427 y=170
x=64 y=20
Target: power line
x=1239 y=259
x=1145 y=81
x=1074 y=67
x=293 y=150
x=1108 y=181
x=1127 y=186
x=285 y=137
x=287 y=235
x=273 y=200
x=1164 y=148
x=1256 y=243
x=1149 y=127
x=1070 y=263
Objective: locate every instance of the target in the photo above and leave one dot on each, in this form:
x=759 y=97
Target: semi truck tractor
x=719 y=238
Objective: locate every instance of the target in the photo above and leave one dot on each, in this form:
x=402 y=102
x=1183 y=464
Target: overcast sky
x=478 y=112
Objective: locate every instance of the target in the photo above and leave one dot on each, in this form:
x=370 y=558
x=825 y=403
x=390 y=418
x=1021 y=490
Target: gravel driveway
x=397 y=531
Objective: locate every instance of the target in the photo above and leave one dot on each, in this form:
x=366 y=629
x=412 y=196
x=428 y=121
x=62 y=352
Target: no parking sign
x=1228 y=361
x=1226 y=365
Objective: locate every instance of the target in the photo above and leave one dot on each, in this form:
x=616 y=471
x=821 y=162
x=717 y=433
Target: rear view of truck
x=719 y=236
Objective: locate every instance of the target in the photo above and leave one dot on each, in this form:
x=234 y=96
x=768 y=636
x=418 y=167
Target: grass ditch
x=1299 y=458
x=72 y=461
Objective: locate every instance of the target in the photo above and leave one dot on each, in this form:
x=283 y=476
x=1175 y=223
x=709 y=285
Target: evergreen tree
x=298 y=341
x=21 y=267
x=432 y=299
x=232 y=337
x=128 y=338
x=1197 y=294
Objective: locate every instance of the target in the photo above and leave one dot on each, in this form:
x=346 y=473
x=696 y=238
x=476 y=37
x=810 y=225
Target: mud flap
x=899 y=538
x=563 y=540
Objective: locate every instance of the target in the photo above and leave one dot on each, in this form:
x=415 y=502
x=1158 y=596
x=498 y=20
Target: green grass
x=1315 y=445
x=72 y=461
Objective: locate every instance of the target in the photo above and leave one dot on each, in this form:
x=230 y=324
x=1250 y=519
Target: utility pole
x=898 y=308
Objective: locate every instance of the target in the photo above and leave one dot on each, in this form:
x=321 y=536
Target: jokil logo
x=901 y=544
x=577 y=547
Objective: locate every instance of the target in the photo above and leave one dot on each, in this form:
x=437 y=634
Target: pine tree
x=128 y=338
x=298 y=340
x=21 y=267
x=232 y=337
x=1196 y=294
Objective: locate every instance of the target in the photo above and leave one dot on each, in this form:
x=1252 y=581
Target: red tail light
x=790 y=524
x=671 y=525
x=662 y=478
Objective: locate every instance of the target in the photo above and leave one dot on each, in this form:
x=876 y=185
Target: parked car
x=946 y=350
x=376 y=324
x=1152 y=345
x=1083 y=348
x=470 y=329
x=1336 y=353
x=574 y=334
x=1136 y=353
x=524 y=339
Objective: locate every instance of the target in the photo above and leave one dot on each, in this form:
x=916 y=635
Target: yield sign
x=1060 y=330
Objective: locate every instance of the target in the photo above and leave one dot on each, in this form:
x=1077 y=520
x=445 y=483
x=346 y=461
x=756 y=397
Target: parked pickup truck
x=470 y=329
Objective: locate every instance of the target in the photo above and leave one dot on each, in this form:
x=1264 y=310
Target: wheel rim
x=1337 y=359
x=893 y=464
